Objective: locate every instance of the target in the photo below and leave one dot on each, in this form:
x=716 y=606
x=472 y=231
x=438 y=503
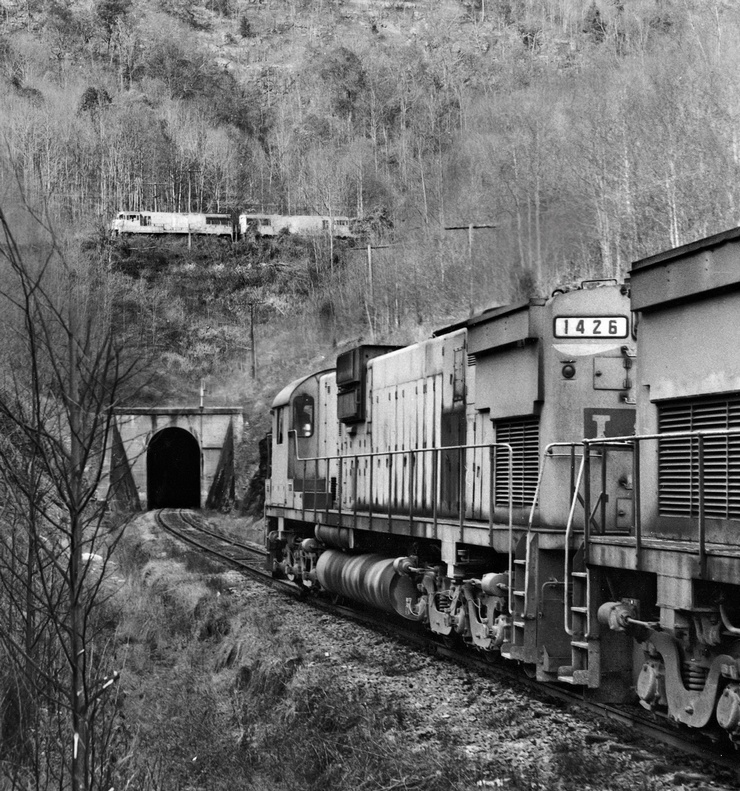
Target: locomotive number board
x=591 y=326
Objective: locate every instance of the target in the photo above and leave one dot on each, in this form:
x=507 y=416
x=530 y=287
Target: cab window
x=303 y=415
x=279 y=425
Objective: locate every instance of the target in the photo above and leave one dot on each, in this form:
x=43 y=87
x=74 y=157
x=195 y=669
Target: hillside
x=589 y=133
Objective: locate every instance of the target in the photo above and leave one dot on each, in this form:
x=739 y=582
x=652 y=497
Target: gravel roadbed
x=505 y=731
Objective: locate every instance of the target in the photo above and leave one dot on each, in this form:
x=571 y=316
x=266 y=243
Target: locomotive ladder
x=583 y=643
x=531 y=611
x=523 y=646
x=585 y=666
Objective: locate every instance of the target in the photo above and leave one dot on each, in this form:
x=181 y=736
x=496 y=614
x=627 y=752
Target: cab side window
x=279 y=420
x=303 y=415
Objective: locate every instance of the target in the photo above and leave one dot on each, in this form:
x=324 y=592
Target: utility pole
x=370 y=302
x=252 y=341
x=470 y=228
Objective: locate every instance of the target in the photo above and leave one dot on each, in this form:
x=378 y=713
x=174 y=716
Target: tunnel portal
x=173 y=470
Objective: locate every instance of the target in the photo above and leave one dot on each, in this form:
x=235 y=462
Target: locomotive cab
x=303 y=426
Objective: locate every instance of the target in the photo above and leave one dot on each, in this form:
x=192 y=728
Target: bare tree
x=62 y=376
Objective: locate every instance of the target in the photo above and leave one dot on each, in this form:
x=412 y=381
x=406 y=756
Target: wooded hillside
x=590 y=133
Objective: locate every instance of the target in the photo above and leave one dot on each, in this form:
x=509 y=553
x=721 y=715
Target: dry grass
x=220 y=694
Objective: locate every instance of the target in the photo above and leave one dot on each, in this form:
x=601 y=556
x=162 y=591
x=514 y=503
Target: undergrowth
x=219 y=692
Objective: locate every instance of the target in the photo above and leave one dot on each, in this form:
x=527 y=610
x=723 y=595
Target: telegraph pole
x=370 y=302
x=470 y=228
x=252 y=341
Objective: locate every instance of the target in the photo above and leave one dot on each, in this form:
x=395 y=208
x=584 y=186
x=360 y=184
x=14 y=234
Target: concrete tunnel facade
x=171 y=456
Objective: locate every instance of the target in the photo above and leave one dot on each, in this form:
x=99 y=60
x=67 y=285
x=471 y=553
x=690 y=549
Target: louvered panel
x=678 y=462
x=524 y=437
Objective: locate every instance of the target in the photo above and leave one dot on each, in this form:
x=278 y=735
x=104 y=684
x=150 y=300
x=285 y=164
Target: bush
x=245 y=28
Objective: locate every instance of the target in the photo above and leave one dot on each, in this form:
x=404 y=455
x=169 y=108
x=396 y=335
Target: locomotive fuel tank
x=371 y=579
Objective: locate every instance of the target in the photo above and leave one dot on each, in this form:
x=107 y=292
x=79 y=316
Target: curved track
x=190 y=527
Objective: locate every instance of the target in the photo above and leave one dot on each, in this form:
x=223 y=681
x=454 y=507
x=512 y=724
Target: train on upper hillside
x=231 y=226
x=556 y=483
x=296 y=224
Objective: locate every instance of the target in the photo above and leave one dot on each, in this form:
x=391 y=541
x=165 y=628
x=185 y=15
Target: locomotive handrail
x=726 y=621
x=491 y=446
x=631 y=438
x=634 y=441
x=547 y=453
x=476 y=446
x=567 y=623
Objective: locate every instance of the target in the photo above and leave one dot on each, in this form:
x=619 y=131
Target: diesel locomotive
x=556 y=483
x=154 y=223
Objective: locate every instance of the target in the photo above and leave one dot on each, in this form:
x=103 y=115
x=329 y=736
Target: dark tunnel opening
x=173 y=470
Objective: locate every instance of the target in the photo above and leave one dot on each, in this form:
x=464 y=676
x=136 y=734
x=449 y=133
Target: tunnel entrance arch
x=173 y=470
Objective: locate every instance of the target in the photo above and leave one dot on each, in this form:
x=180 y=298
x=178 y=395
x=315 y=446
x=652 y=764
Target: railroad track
x=190 y=527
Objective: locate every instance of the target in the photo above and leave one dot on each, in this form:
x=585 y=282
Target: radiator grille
x=678 y=459
x=524 y=437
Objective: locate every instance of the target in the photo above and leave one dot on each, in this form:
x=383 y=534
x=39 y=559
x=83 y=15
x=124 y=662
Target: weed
x=328 y=732
x=580 y=764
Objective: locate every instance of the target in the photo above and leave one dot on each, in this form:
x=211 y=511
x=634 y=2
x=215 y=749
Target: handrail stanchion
x=390 y=491
x=354 y=493
x=340 y=487
x=702 y=511
x=303 y=487
x=604 y=457
x=636 y=445
x=328 y=490
x=371 y=493
x=461 y=489
x=492 y=450
x=572 y=468
x=435 y=489
x=412 y=488
x=586 y=462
